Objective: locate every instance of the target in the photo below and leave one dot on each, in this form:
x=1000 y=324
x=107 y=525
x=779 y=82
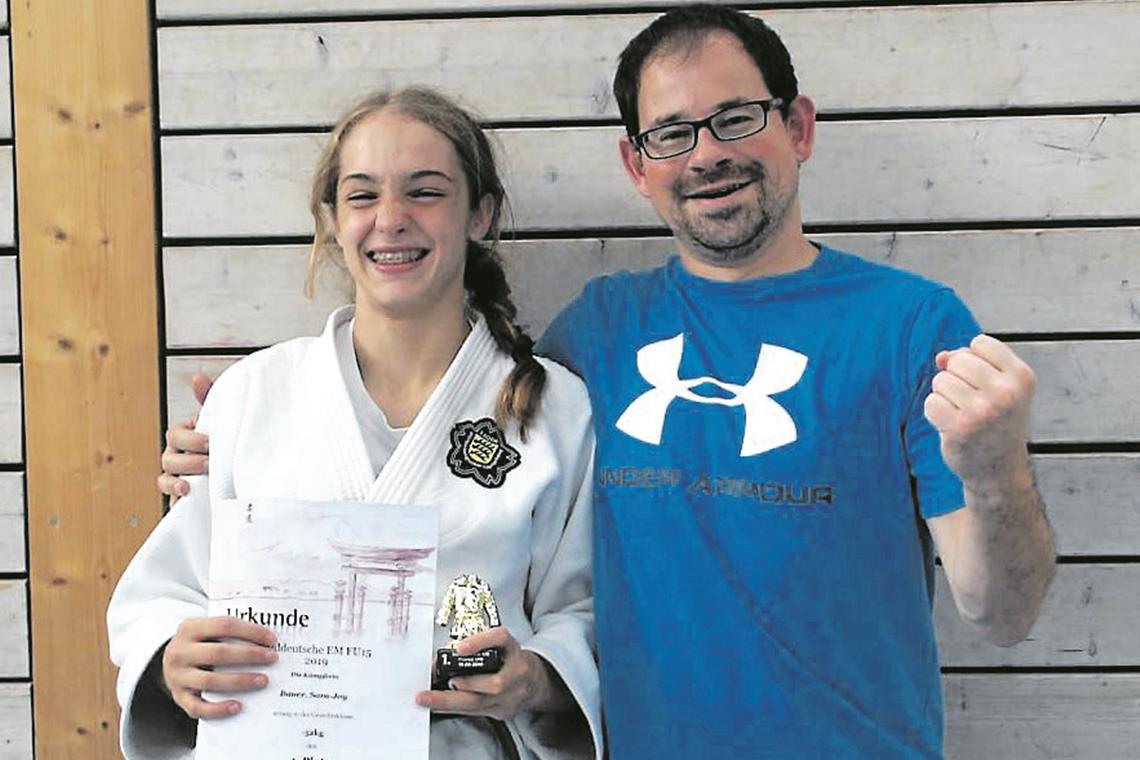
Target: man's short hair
x=684 y=28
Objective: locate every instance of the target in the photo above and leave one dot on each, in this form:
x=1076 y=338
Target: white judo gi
x=281 y=424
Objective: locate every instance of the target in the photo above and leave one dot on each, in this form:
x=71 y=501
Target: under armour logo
x=767 y=425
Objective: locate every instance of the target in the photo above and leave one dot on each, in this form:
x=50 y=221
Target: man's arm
x=187 y=452
x=998 y=551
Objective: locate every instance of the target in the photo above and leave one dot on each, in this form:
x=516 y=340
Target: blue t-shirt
x=763 y=577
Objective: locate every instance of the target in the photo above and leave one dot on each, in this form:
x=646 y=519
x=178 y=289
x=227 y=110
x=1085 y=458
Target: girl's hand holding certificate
x=200 y=645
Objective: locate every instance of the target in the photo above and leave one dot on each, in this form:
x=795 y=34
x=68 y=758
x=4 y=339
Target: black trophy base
x=449 y=665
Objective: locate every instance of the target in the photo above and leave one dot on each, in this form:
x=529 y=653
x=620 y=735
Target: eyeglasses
x=732 y=123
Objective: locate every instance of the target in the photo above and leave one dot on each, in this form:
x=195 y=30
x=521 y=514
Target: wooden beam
x=12 y=528
x=1015 y=281
x=84 y=157
x=16 y=720
x=1088 y=619
x=253 y=9
x=1040 y=716
x=231 y=75
x=1079 y=167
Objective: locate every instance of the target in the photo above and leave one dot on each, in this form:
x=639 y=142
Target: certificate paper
x=349 y=589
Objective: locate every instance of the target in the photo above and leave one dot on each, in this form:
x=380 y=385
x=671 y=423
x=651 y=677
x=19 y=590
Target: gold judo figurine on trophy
x=469 y=606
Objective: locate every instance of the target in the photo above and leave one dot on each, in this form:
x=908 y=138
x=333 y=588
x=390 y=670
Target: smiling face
x=728 y=203
x=403 y=216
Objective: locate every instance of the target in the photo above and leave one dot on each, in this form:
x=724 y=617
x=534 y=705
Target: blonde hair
x=483 y=278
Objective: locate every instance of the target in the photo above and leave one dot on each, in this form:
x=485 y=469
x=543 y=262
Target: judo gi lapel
x=338 y=443
x=467 y=388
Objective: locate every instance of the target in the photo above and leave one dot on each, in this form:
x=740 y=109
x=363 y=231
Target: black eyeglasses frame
x=766 y=105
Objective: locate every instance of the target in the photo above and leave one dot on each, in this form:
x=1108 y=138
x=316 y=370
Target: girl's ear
x=480 y=223
x=328 y=218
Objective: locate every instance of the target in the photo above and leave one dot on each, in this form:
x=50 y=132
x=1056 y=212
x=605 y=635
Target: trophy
x=470 y=608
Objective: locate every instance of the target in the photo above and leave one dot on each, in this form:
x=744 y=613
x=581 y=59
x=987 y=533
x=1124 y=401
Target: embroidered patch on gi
x=480 y=451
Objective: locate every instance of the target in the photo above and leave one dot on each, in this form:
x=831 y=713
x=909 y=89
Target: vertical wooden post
x=81 y=77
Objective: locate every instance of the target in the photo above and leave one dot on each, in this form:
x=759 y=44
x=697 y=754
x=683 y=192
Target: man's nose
x=709 y=152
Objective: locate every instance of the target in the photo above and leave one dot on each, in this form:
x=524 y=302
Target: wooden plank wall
x=79 y=369
x=15 y=667
x=993 y=146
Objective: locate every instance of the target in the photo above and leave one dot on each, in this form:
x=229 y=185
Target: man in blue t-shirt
x=786 y=435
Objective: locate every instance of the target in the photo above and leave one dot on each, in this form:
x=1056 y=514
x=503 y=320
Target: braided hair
x=488 y=292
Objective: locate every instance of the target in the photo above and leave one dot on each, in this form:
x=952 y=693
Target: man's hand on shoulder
x=187 y=452
x=979 y=403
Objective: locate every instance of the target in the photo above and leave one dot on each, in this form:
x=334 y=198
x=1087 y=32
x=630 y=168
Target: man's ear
x=480 y=223
x=801 y=126
x=632 y=159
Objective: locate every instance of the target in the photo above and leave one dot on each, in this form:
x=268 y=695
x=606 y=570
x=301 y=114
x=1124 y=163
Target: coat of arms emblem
x=480 y=451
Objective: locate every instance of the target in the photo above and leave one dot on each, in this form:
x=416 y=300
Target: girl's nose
x=391 y=215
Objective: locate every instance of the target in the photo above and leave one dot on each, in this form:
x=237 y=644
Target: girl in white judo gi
x=407 y=198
